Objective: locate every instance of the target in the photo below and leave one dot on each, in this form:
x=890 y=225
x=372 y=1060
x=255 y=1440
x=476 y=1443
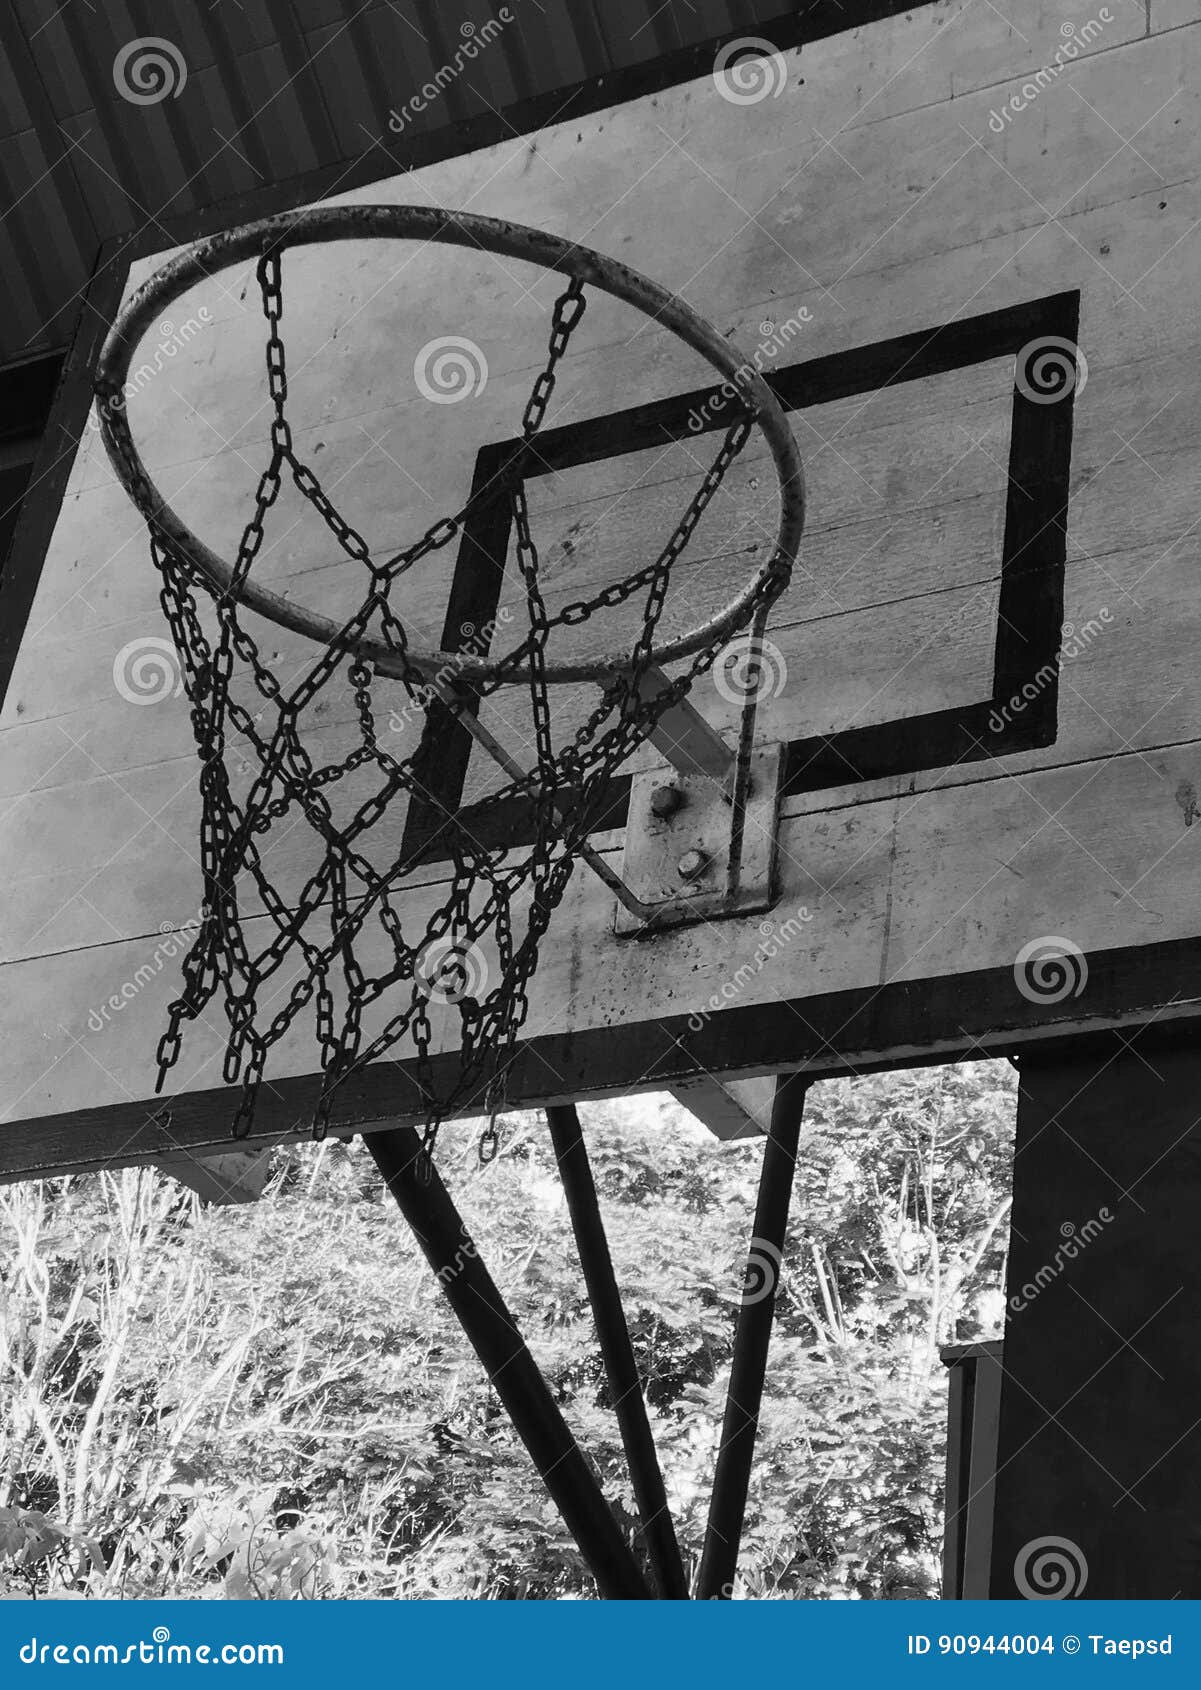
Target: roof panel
x=268 y=92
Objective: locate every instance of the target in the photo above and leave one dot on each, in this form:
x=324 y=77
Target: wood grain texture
x=875 y=195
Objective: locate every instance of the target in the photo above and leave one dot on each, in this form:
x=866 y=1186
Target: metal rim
x=419 y=223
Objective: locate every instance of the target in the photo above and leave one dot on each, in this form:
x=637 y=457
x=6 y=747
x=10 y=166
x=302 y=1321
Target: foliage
x=274 y=1401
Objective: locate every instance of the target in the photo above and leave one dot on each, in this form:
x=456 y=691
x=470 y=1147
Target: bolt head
x=665 y=801
x=692 y=865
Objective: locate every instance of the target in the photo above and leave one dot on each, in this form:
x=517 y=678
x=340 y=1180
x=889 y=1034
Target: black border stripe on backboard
x=1019 y=709
x=42 y=502
x=1155 y=989
x=440 y=770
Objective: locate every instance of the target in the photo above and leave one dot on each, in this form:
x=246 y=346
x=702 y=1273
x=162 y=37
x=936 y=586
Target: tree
x=275 y=1400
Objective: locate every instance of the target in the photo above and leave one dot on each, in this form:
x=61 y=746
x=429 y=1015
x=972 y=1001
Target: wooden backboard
x=963 y=255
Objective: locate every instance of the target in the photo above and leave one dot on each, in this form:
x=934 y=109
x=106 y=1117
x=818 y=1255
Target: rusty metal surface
x=394 y=222
x=677 y=864
x=93 y=147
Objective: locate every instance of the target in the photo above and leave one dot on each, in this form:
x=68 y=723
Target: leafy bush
x=275 y=1401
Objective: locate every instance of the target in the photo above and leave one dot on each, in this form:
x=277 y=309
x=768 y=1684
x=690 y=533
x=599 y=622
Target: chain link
x=273 y=952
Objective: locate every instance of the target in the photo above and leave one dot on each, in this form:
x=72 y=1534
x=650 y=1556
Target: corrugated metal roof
x=117 y=115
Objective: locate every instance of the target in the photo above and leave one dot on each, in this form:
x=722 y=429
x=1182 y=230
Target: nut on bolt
x=665 y=801
x=692 y=865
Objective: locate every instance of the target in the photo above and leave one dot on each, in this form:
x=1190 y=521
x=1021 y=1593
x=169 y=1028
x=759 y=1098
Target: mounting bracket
x=681 y=858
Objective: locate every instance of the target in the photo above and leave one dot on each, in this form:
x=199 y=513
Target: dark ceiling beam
x=192 y=161
x=58 y=179
x=30 y=305
x=247 y=139
x=310 y=101
x=138 y=176
x=383 y=92
x=557 y=61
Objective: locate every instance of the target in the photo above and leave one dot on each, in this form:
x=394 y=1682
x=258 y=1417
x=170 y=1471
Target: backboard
x=970 y=287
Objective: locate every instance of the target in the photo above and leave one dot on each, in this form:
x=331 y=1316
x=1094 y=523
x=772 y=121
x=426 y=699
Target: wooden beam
x=843 y=1033
x=228 y=1176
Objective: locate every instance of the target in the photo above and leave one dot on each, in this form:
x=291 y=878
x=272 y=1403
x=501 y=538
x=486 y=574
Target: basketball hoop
x=322 y=931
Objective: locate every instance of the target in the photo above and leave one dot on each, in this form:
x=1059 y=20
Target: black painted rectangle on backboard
x=1017 y=707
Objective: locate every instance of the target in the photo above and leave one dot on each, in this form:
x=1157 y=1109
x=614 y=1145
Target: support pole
x=727 y=1507
x=1097 y=1480
x=684 y=737
x=493 y=1334
x=617 y=1352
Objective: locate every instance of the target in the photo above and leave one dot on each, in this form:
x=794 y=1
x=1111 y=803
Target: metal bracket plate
x=678 y=843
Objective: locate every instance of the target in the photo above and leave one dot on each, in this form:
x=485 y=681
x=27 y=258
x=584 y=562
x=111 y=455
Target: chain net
x=338 y=951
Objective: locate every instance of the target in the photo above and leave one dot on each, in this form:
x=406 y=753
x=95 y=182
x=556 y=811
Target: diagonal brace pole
x=731 y=1479
x=438 y=1227
x=455 y=703
x=617 y=1352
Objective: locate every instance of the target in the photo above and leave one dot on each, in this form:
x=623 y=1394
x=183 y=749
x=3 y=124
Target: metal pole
x=727 y=1507
x=617 y=1352
x=492 y=1331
